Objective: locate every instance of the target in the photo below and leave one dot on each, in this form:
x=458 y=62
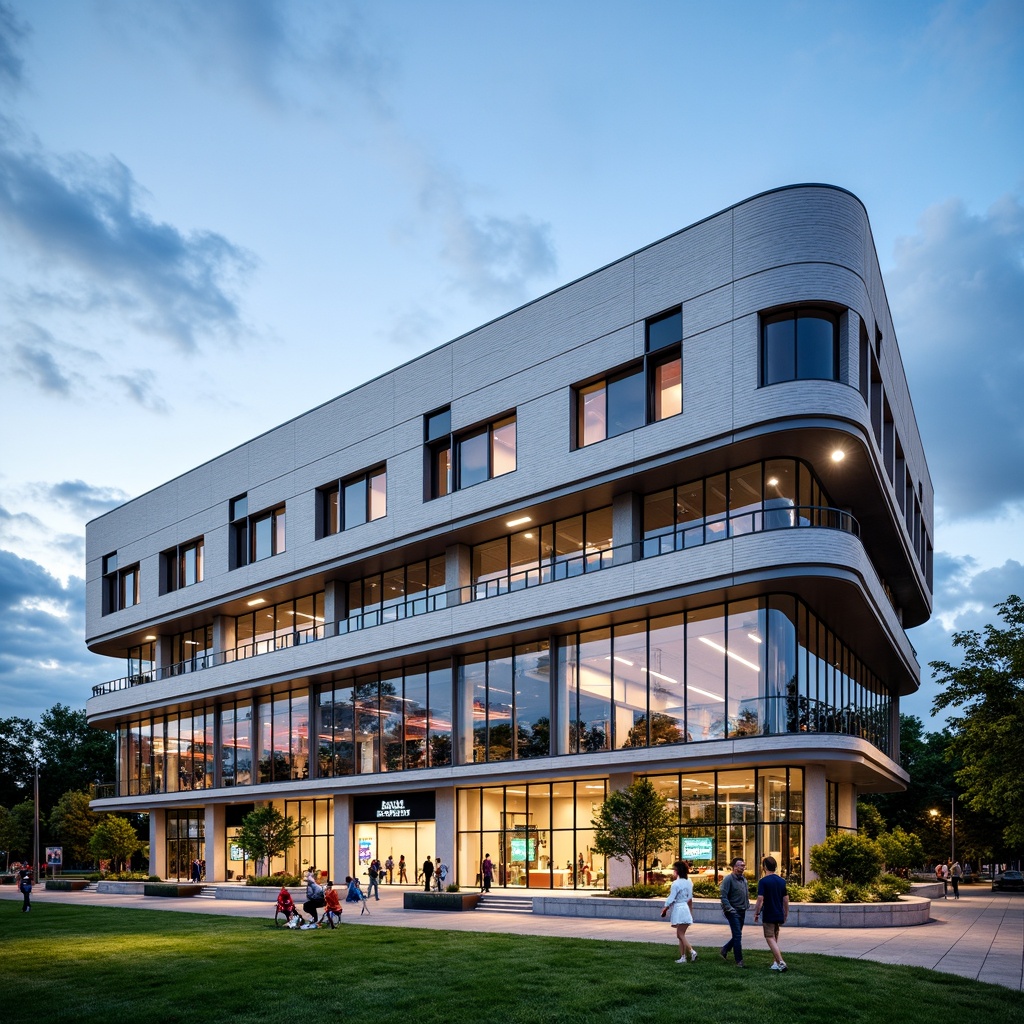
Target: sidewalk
x=981 y=936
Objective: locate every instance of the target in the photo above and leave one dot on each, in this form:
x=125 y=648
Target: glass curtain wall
x=757 y=667
x=538 y=835
x=186 y=841
x=396 y=721
x=172 y=754
x=278 y=626
x=505 y=703
x=746 y=813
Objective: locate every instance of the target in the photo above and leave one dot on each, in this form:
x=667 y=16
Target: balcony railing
x=562 y=568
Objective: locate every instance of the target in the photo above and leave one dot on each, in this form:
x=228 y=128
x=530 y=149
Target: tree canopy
x=115 y=837
x=634 y=823
x=988 y=733
x=265 y=832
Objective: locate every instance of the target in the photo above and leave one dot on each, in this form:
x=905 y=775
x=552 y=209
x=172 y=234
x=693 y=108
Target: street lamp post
x=952 y=830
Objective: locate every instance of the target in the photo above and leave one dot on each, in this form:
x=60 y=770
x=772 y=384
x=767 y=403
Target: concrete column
x=342 y=858
x=627 y=526
x=334 y=606
x=847 y=805
x=444 y=829
x=894 y=729
x=619 y=871
x=158 y=842
x=223 y=636
x=215 y=851
x=458 y=571
x=162 y=653
x=815 y=813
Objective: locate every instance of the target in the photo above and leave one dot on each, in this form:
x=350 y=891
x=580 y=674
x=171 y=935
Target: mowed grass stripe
x=99 y=965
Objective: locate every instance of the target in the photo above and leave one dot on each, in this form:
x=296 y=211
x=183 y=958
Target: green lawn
x=105 y=965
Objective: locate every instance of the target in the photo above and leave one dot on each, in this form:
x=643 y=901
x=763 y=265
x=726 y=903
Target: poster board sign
x=54 y=856
x=699 y=848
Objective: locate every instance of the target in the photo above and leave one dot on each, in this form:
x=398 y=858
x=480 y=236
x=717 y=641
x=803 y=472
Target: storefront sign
x=394 y=807
x=699 y=848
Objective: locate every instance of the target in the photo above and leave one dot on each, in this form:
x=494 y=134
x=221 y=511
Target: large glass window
x=353 y=502
x=537 y=835
x=397 y=593
x=506 y=695
x=277 y=626
x=183 y=565
x=644 y=392
x=800 y=344
x=480 y=453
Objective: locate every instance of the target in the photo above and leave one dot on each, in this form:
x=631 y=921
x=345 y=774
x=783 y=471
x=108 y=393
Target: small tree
x=72 y=822
x=900 y=849
x=115 y=838
x=266 y=832
x=870 y=822
x=634 y=823
x=847 y=856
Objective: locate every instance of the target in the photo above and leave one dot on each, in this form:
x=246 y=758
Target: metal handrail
x=562 y=567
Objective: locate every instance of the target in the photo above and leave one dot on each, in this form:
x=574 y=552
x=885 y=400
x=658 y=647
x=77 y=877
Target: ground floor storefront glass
x=537 y=835
x=313 y=846
x=186 y=841
x=746 y=813
x=395 y=825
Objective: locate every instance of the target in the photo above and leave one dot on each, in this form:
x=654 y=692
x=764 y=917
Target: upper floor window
x=352 y=502
x=183 y=565
x=800 y=344
x=255 y=537
x=120 y=586
x=642 y=393
x=460 y=460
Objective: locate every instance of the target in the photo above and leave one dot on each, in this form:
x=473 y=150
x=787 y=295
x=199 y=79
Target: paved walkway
x=981 y=936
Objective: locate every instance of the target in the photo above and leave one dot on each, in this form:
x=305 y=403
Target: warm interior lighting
x=755 y=638
x=773 y=481
x=838 y=455
x=731 y=654
x=149 y=638
x=255 y=601
x=519 y=521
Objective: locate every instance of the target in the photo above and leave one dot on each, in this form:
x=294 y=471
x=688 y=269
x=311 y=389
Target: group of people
x=318 y=898
x=198 y=870
x=436 y=871
x=950 y=873
x=772 y=907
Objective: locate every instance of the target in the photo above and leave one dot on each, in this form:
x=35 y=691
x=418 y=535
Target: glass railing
x=561 y=568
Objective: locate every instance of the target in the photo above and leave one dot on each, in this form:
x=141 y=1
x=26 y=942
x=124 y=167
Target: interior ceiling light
x=731 y=654
x=838 y=455
x=519 y=521
x=149 y=638
x=773 y=481
x=255 y=601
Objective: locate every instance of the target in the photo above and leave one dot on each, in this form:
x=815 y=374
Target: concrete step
x=501 y=904
x=209 y=892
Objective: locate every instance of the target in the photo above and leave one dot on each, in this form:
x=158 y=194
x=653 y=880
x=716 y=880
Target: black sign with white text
x=394 y=807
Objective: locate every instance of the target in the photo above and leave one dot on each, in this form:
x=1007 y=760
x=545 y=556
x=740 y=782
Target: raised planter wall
x=260 y=893
x=122 y=888
x=910 y=910
x=65 y=884
x=172 y=889
x=440 y=900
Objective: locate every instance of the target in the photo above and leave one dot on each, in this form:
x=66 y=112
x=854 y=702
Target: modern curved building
x=670 y=520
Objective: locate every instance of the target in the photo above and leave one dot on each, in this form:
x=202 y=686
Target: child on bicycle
x=332 y=904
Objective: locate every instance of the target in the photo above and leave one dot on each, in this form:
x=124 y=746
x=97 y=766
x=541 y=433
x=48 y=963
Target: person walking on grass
x=772 y=907
x=735 y=903
x=680 y=900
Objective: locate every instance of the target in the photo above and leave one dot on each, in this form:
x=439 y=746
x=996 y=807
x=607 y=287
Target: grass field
x=98 y=965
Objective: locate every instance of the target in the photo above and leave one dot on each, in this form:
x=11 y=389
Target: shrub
x=889 y=888
x=640 y=892
x=848 y=856
x=854 y=892
x=797 y=893
x=453 y=887
x=825 y=890
x=707 y=887
x=292 y=881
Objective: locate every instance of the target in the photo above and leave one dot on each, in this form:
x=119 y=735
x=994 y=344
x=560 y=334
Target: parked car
x=1008 y=880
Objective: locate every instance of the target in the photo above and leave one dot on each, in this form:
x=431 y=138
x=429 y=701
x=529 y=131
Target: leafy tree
x=115 y=837
x=265 y=833
x=17 y=760
x=869 y=820
x=988 y=688
x=851 y=857
x=8 y=835
x=634 y=823
x=72 y=823
x=73 y=755
x=900 y=849
x=21 y=828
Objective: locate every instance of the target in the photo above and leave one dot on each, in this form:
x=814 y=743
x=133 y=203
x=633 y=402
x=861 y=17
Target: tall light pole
x=952 y=830
x=35 y=830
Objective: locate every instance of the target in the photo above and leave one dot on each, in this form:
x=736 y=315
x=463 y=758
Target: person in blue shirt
x=772 y=907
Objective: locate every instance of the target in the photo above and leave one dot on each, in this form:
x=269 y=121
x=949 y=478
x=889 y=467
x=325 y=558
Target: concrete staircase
x=499 y=903
x=209 y=892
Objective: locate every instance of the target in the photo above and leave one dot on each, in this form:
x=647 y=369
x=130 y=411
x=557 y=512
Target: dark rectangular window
x=120 y=586
x=646 y=392
x=480 y=453
x=183 y=565
x=353 y=502
x=268 y=534
x=801 y=344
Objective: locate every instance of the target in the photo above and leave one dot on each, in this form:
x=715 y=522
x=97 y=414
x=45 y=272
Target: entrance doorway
x=413 y=840
x=185 y=842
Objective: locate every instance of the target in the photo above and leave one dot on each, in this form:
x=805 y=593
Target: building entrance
x=396 y=826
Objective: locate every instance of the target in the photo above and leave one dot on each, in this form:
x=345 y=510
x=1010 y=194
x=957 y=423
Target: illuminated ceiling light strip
x=755 y=638
x=519 y=521
x=707 y=693
x=731 y=654
x=658 y=675
x=255 y=601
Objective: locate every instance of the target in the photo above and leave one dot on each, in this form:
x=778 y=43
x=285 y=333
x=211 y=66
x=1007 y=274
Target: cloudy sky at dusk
x=216 y=215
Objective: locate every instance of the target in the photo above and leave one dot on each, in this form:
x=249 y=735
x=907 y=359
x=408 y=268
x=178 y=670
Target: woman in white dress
x=680 y=899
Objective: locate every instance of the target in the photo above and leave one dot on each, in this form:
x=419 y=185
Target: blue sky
x=216 y=214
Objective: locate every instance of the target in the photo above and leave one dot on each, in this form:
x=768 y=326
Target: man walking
x=487 y=872
x=772 y=907
x=428 y=870
x=373 y=889
x=735 y=902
